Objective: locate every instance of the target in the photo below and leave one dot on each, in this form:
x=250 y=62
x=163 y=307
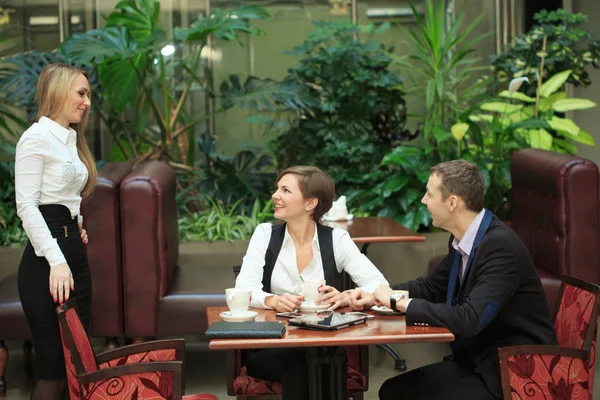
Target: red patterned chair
x=560 y=372
x=240 y=384
x=152 y=370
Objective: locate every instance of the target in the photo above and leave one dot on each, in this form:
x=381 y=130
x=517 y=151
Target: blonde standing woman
x=54 y=169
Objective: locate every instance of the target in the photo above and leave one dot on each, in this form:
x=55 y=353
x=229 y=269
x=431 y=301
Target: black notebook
x=231 y=330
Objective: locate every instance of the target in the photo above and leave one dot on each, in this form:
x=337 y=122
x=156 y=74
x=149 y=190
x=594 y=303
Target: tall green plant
x=222 y=222
x=515 y=121
x=359 y=111
x=137 y=78
x=569 y=47
x=440 y=66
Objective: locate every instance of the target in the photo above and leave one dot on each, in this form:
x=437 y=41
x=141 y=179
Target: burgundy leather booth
x=555 y=210
x=102 y=220
x=161 y=298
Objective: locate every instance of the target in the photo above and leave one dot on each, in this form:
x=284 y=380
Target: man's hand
x=330 y=295
x=383 y=294
x=359 y=299
x=284 y=303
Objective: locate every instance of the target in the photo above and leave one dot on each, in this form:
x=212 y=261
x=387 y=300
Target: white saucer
x=313 y=307
x=247 y=316
x=349 y=217
x=385 y=310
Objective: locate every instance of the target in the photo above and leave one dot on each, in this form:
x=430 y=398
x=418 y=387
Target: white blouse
x=47 y=171
x=286 y=279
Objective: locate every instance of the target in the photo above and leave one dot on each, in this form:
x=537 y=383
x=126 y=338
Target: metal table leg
x=399 y=362
x=327 y=373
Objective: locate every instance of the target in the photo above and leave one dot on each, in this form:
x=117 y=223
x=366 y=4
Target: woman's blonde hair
x=53 y=89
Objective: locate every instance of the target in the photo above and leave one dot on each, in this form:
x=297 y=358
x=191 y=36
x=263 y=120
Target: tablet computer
x=328 y=321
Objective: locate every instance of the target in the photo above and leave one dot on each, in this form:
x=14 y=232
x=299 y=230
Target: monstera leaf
x=19 y=76
x=262 y=94
x=225 y=24
x=139 y=17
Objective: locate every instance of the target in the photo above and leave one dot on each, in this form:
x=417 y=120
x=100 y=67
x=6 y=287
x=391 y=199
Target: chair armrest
x=541 y=349
x=134 y=376
x=125 y=354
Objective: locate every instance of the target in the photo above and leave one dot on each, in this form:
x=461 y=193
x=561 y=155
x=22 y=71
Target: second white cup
x=311 y=289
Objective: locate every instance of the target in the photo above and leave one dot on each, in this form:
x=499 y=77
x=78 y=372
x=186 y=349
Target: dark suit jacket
x=500 y=303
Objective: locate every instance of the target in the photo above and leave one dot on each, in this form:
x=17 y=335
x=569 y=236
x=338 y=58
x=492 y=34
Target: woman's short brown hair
x=313 y=183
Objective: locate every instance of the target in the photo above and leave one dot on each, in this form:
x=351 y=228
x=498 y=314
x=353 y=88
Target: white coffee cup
x=311 y=289
x=238 y=300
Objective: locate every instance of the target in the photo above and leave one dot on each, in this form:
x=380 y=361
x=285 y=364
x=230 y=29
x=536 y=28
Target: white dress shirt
x=286 y=279
x=47 y=171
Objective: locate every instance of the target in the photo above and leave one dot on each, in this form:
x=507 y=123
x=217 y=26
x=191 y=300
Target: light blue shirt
x=465 y=246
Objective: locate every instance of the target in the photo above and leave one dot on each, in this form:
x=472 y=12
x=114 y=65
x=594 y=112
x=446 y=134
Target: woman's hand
x=61 y=282
x=83 y=233
x=330 y=295
x=284 y=303
x=359 y=299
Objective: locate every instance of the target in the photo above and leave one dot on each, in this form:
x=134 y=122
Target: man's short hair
x=463 y=179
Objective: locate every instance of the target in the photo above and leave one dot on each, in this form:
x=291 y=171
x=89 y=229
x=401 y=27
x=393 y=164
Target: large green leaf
x=394 y=184
x=19 y=76
x=139 y=17
x=546 y=103
x=401 y=155
x=532 y=123
x=99 y=45
x=572 y=105
x=262 y=94
x=584 y=138
x=516 y=96
x=121 y=81
x=224 y=23
x=554 y=83
x=500 y=107
x=564 y=124
x=540 y=139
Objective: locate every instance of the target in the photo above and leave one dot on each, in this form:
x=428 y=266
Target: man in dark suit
x=486 y=292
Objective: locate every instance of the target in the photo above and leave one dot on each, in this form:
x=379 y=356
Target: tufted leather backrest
x=102 y=220
x=150 y=243
x=554 y=209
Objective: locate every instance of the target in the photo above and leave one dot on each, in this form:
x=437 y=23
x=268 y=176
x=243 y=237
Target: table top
x=380 y=330
x=376 y=230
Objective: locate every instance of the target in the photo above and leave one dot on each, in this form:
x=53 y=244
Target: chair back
x=77 y=349
x=559 y=225
x=576 y=314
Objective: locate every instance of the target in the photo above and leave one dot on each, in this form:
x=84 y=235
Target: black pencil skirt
x=34 y=292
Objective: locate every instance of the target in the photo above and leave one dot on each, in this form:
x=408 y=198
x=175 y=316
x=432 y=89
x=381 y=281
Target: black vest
x=325 y=234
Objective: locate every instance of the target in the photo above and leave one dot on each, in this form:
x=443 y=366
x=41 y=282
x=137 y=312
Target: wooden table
x=329 y=344
x=377 y=230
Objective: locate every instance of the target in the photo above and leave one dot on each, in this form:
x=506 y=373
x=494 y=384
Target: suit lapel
x=454 y=279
